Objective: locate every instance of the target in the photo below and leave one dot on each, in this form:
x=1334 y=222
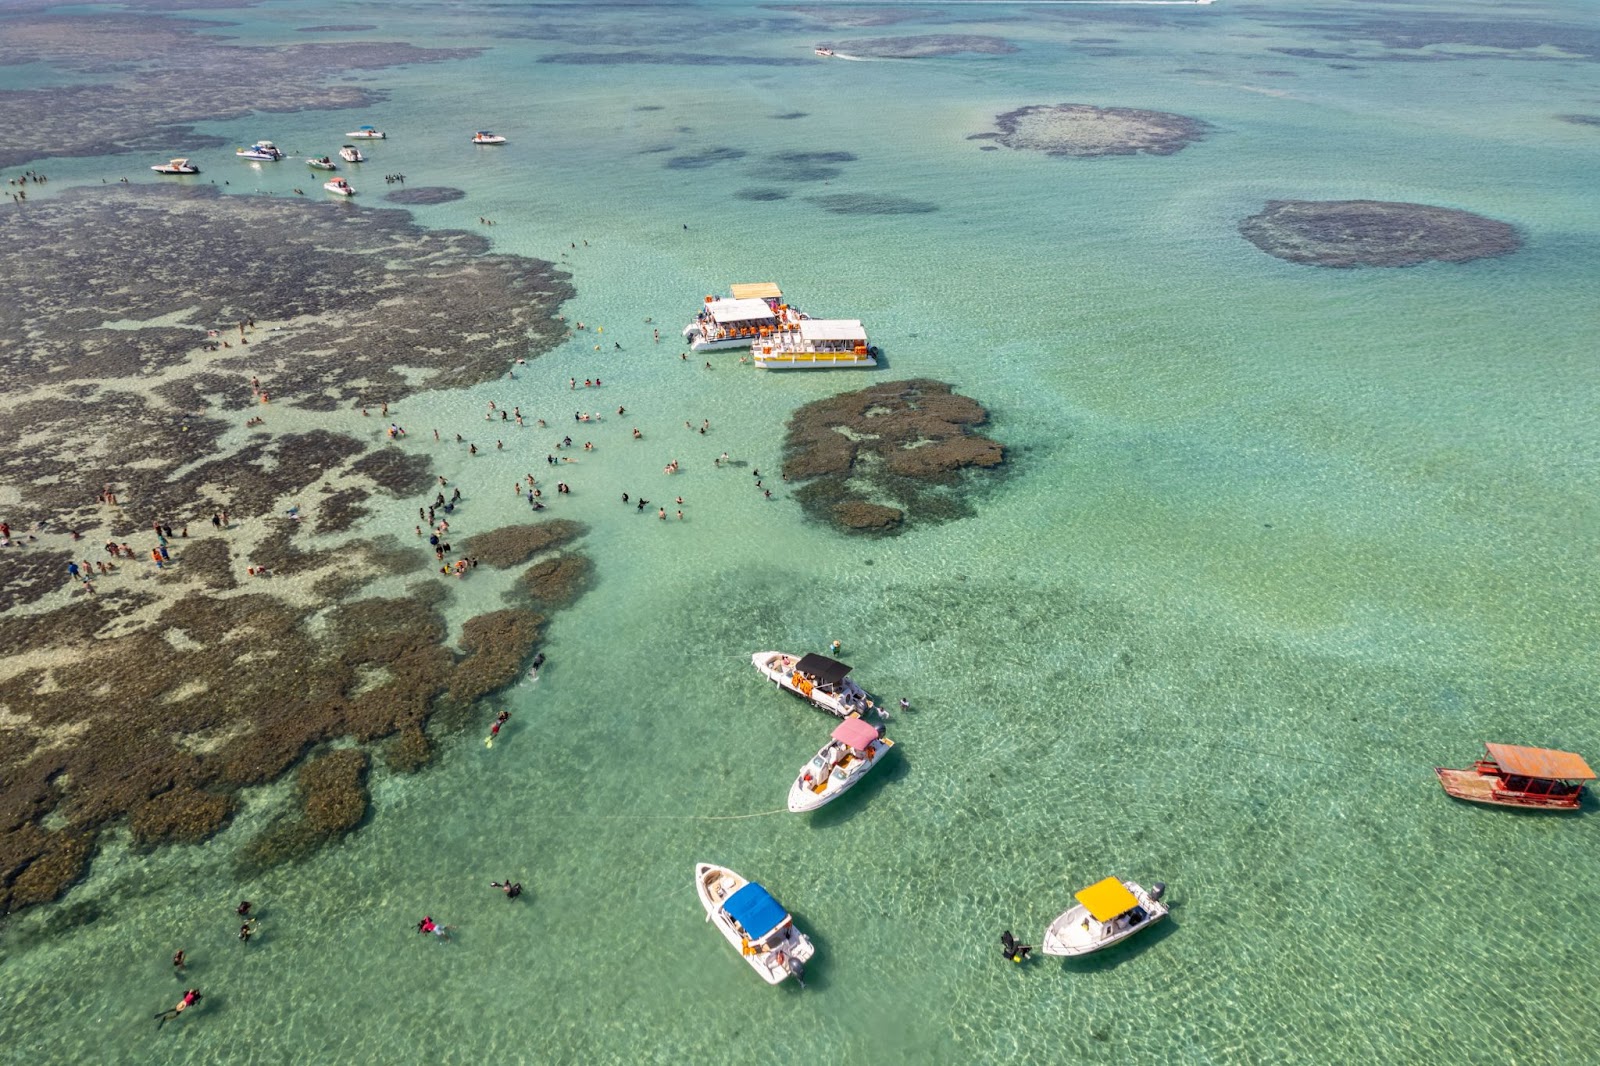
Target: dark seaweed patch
x=870 y=204
x=425 y=194
x=760 y=195
x=710 y=157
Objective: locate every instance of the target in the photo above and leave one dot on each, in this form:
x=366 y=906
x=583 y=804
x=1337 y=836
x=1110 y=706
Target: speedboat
x=485 y=137
x=854 y=748
x=753 y=922
x=176 y=166
x=322 y=164
x=339 y=187
x=351 y=154
x=264 y=151
x=814 y=344
x=818 y=678
x=738 y=321
x=1514 y=776
x=371 y=133
x=823 y=52
x=1108 y=911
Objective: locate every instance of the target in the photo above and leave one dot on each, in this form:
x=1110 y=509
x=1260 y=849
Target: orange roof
x=1540 y=762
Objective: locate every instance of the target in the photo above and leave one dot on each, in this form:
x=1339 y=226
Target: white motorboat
x=753 y=311
x=753 y=922
x=823 y=52
x=176 y=166
x=854 y=748
x=263 y=151
x=370 y=133
x=322 y=164
x=818 y=678
x=814 y=344
x=339 y=187
x=351 y=154
x=1108 y=911
x=485 y=137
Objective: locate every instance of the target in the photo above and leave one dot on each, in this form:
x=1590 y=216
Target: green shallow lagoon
x=1273 y=541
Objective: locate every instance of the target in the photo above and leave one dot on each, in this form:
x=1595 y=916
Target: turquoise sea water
x=1273 y=542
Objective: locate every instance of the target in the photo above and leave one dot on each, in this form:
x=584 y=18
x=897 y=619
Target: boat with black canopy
x=823 y=681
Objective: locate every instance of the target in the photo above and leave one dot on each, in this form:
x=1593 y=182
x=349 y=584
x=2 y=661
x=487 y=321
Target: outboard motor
x=1158 y=890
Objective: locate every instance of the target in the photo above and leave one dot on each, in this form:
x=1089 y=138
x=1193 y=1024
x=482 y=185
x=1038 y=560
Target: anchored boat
x=176 y=166
x=262 y=151
x=351 y=154
x=339 y=187
x=1514 y=776
x=854 y=748
x=752 y=921
x=485 y=137
x=1108 y=911
x=813 y=344
x=370 y=133
x=737 y=321
x=818 y=678
x=322 y=164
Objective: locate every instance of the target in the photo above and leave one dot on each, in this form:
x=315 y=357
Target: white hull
x=776 y=666
x=368 y=136
x=352 y=155
x=698 y=342
x=257 y=157
x=496 y=139
x=804 y=795
x=1076 y=933
x=772 y=958
x=176 y=170
x=339 y=188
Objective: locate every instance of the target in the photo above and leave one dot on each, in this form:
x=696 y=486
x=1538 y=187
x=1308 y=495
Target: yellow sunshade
x=759 y=290
x=1107 y=899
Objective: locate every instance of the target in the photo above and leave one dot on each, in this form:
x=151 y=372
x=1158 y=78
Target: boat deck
x=1483 y=788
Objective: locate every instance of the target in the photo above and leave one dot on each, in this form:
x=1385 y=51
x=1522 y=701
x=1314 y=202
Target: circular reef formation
x=1357 y=233
x=1085 y=131
x=874 y=459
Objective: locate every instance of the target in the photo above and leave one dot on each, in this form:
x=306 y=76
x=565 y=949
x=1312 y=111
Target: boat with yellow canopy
x=1514 y=776
x=1108 y=912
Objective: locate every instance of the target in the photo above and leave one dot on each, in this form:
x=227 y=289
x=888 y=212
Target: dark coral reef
x=1377 y=233
x=877 y=458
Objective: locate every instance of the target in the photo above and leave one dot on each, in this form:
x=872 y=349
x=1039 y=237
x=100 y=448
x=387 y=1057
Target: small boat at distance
x=821 y=680
x=738 y=321
x=823 y=52
x=753 y=922
x=262 y=151
x=813 y=344
x=1514 y=776
x=339 y=187
x=176 y=166
x=1108 y=912
x=322 y=164
x=351 y=154
x=371 y=133
x=485 y=137
x=854 y=748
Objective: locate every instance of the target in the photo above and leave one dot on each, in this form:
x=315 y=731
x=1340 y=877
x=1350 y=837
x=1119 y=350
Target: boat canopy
x=755 y=910
x=833 y=329
x=856 y=733
x=828 y=671
x=759 y=290
x=740 y=310
x=1542 y=763
x=1107 y=899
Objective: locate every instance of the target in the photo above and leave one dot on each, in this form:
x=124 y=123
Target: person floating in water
x=511 y=888
x=243 y=909
x=248 y=930
x=428 y=925
x=191 y=996
x=494 y=730
x=1012 y=948
x=178 y=960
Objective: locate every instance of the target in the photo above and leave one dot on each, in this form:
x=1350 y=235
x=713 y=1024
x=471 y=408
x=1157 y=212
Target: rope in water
x=674 y=817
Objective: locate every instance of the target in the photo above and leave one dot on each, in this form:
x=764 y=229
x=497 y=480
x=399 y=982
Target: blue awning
x=755 y=909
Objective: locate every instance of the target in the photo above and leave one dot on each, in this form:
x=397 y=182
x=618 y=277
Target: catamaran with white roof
x=753 y=922
x=737 y=321
x=814 y=344
x=854 y=748
x=821 y=680
x=1108 y=911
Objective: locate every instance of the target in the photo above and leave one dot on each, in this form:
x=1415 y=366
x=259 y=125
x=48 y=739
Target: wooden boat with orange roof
x=1514 y=776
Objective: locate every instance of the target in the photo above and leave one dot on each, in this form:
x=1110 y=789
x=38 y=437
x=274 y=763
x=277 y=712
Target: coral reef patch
x=425 y=194
x=1375 y=233
x=1085 y=131
x=879 y=458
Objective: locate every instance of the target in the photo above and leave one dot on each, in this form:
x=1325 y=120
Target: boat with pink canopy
x=855 y=747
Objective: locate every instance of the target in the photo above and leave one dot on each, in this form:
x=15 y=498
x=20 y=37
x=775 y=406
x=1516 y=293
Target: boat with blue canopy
x=753 y=922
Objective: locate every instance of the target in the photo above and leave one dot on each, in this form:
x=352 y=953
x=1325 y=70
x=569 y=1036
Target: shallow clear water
x=1274 y=542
